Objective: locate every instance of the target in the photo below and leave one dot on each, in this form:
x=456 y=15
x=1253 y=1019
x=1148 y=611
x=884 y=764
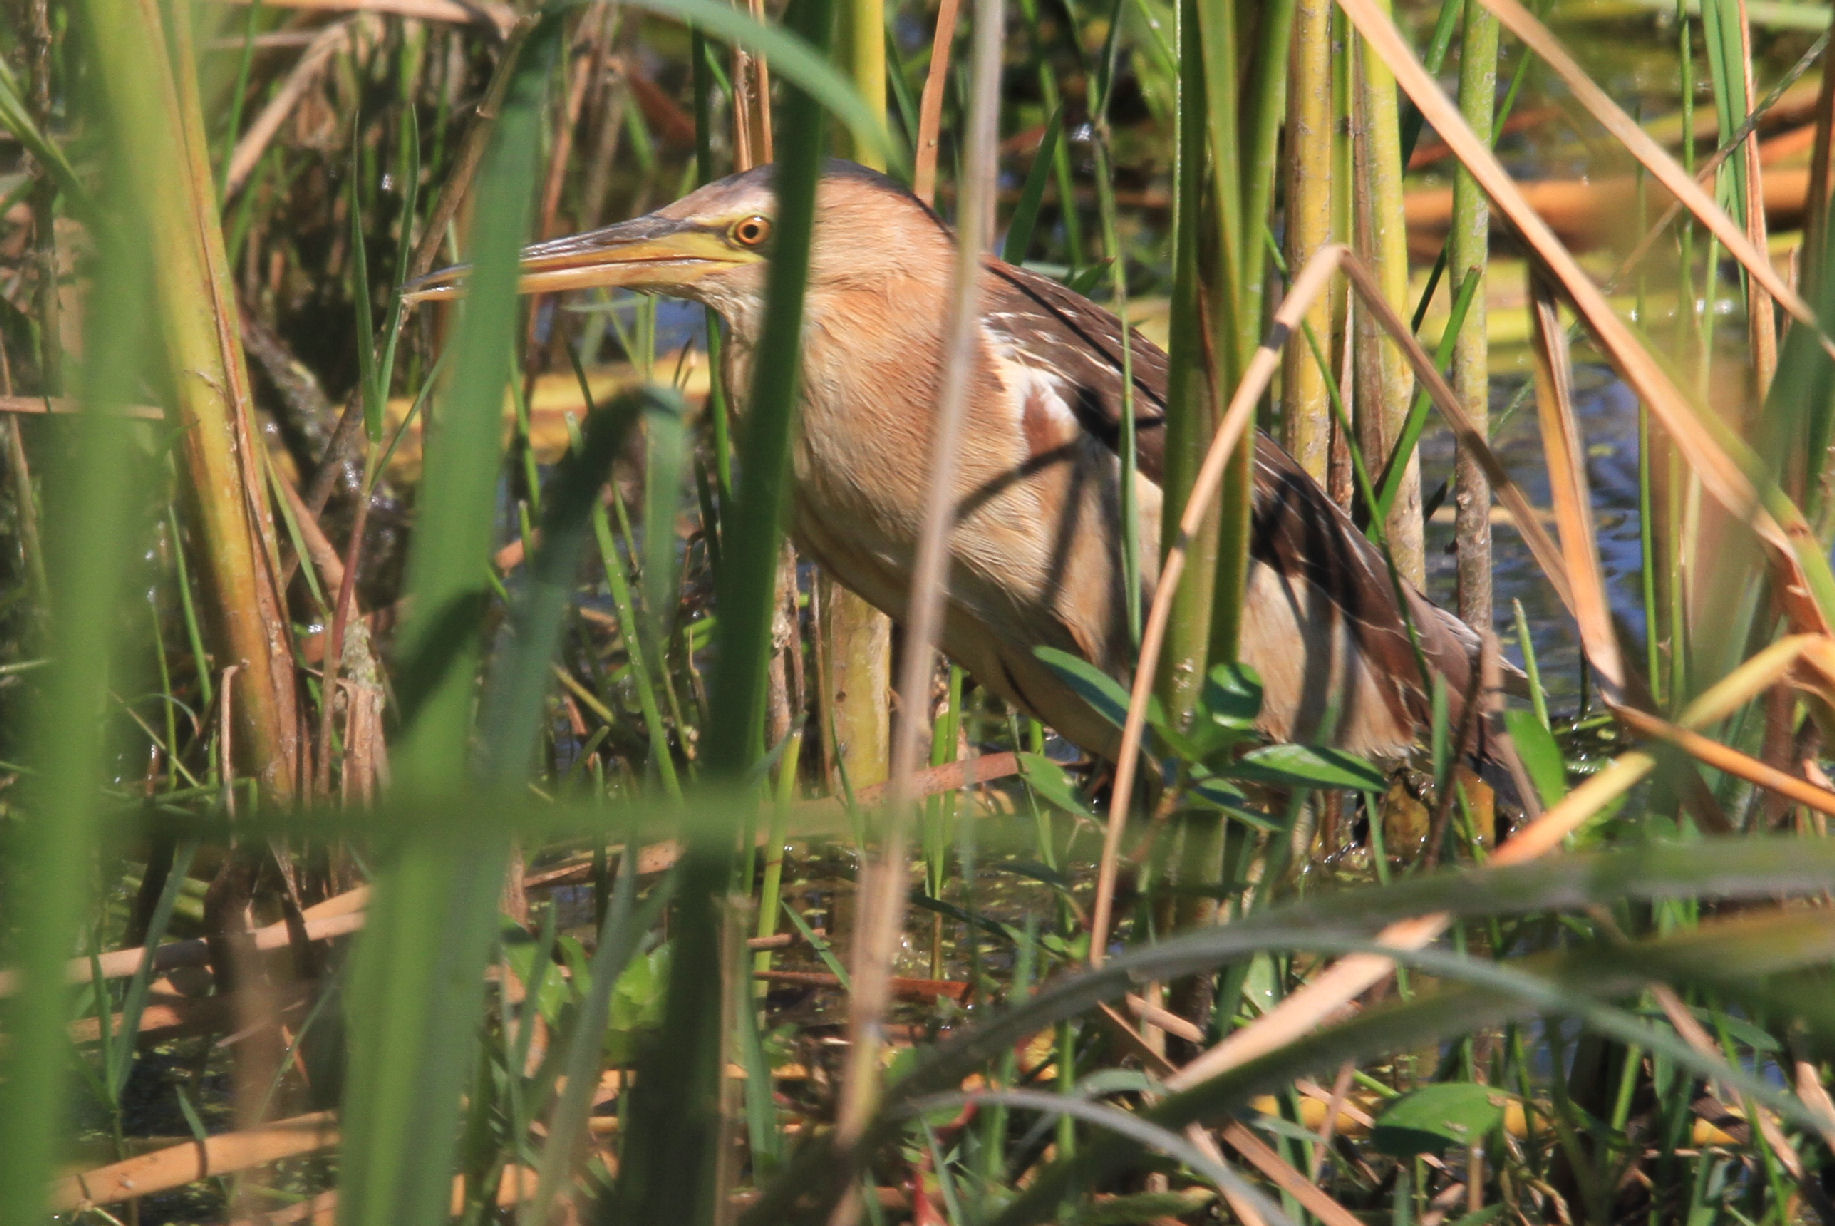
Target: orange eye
x=754 y=231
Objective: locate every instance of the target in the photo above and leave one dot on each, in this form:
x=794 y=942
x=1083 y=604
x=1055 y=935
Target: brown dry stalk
x=171 y=1016
x=1728 y=760
x=178 y=1165
x=319 y=548
x=1567 y=479
x=1290 y=1180
x=319 y=54
x=930 y=107
x=35 y=405
x=497 y=17
x=334 y=917
x=1761 y=324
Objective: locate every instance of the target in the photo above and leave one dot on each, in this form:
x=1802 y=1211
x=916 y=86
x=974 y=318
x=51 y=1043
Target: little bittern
x=1036 y=546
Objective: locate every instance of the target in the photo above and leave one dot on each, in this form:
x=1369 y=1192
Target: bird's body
x=1036 y=547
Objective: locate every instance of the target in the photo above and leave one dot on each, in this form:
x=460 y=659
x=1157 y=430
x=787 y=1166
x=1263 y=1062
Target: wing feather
x=1298 y=531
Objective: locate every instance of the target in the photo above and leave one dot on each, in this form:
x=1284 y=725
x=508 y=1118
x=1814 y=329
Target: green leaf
x=528 y=959
x=1232 y=697
x=1432 y=1118
x=1026 y=212
x=1535 y=745
x=1046 y=778
x=1221 y=796
x=1313 y=766
x=637 y=1003
x=1094 y=686
x=16 y=118
x=1088 y=278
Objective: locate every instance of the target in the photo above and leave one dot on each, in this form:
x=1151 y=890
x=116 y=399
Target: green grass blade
x=416 y=980
x=92 y=507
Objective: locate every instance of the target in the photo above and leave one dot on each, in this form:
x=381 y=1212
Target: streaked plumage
x=1036 y=547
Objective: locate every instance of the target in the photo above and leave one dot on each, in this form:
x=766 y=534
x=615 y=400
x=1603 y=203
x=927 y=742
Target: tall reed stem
x=211 y=404
x=1468 y=250
x=1306 y=414
x=855 y=638
x=1382 y=405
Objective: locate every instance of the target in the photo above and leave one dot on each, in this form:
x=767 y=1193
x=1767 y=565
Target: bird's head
x=713 y=245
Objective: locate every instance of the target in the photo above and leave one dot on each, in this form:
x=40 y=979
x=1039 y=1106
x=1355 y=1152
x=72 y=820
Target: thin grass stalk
x=39 y=42
x=1822 y=178
x=1191 y=413
x=930 y=108
x=1761 y=316
x=883 y=886
x=91 y=505
x=1306 y=418
x=1383 y=406
x=1231 y=303
x=416 y=991
x=1264 y=108
x=1728 y=37
x=1468 y=252
x=1128 y=503
x=1244 y=177
x=856 y=638
x=746 y=585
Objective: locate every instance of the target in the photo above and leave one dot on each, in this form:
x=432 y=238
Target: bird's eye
x=754 y=231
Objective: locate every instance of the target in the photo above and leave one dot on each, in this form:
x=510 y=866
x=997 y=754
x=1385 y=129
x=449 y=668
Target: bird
x=1036 y=543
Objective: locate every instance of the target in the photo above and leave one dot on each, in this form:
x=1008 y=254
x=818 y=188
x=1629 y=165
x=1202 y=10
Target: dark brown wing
x=1072 y=336
x=1298 y=531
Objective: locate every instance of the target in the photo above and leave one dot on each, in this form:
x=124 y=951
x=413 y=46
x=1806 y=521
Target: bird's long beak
x=653 y=252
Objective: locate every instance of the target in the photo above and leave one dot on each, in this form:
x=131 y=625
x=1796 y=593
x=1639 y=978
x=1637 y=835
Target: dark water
x=1607 y=414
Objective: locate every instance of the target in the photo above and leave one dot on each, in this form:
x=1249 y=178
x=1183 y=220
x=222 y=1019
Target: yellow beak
x=648 y=253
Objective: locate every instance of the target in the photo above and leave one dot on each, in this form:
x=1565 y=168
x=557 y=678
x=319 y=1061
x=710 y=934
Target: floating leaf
x=1432 y=1118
